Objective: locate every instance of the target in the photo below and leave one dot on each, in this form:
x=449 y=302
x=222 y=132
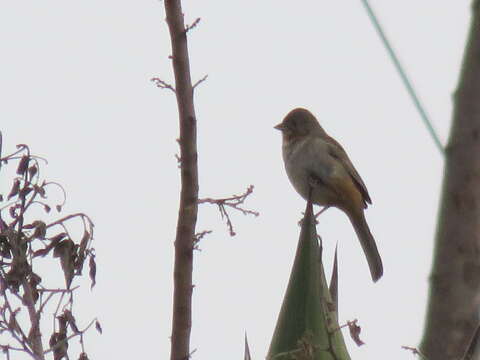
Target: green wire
x=403 y=75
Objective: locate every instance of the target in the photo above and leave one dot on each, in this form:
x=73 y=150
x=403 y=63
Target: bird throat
x=291 y=144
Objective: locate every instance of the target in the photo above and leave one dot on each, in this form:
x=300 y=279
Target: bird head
x=298 y=123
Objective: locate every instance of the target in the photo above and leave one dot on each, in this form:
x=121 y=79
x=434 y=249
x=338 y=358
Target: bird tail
x=368 y=244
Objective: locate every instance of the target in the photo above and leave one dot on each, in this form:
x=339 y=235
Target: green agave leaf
x=307 y=326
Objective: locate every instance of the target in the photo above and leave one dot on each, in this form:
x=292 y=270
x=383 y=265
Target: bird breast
x=306 y=162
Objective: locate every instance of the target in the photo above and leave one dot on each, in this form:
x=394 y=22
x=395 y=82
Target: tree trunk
x=454 y=299
x=187 y=215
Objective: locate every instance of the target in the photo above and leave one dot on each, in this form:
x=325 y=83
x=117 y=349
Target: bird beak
x=279 y=127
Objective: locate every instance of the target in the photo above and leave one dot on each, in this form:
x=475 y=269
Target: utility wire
x=403 y=76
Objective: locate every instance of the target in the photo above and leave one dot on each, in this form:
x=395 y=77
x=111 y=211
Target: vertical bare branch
x=187 y=216
x=455 y=279
x=35 y=334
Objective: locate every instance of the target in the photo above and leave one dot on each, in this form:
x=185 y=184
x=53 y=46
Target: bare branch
x=199 y=81
x=179 y=160
x=188 y=209
x=62 y=342
x=22 y=339
x=69 y=217
x=56 y=291
x=233 y=202
x=199 y=237
x=8 y=347
x=162 y=84
x=193 y=25
x=415 y=351
x=35 y=336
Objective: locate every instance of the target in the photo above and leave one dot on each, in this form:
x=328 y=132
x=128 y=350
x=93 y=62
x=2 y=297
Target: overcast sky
x=75 y=86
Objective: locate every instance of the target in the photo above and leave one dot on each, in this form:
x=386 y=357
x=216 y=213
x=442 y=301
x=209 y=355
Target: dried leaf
x=93 y=270
x=24 y=192
x=17 y=274
x=84 y=241
x=82 y=252
x=15 y=188
x=71 y=321
x=40 y=190
x=65 y=250
x=23 y=165
x=355 y=332
x=56 y=239
x=32 y=170
x=34 y=281
x=40 y=230
x=12 y=212
x=61 y=248
x=62 y=323
x=12 y=322
x=47 y=208
x=53 y=340
x=60 y=345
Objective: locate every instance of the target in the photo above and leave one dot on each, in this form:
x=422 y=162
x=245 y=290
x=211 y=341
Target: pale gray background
x=74 y=85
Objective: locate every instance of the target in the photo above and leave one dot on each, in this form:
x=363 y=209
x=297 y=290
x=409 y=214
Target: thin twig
x=162 y=84
x=44 y=303
x=198 y=82
x=60 y=343
x=234 y=202
x=199 y=236
x=22 y=341
x=415 y=351
x=66 y=218
x=56 y=311
x=35 y=335
x=21 y=148
x=59 y=290
x=61 y=188
x=9 y=347
x=193 y=25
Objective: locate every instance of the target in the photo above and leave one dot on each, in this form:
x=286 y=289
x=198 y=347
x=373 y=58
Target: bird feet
x=315 y=217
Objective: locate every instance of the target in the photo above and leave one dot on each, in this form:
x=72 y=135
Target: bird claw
x=321 y=212
x=315 y=217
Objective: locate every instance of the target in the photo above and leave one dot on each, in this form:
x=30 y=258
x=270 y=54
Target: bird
x=319 y=167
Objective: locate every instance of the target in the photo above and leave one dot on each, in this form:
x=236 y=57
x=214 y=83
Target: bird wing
x=336 y=150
